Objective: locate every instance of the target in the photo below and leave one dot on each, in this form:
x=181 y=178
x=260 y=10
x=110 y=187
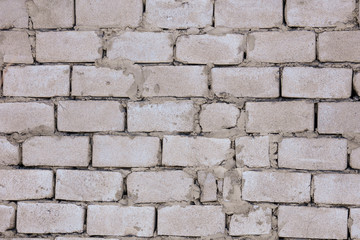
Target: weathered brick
x=339 y=46
x=355 y=158
x=100 y=82
x=90 y=116
x=67 y=46
x=143 y=47
x=124 y=151
x=312 y=222
x=248 y=14
x=252 y=151
x=165 y=186
x=355 y=223
x=246 y=82
x=24 y=117
x=82 y=238
x=168 y=116
x=7 y=216
x=101 y=14
x=273 y=117
x=56 y=151
x=120 y=221
x=208 y=186
x=198 y=151
x=179 y=15
x=276 y=186
x=49 y=218
x=25 y=184
x=314 y=13
x=179 y=81
x=279 y=47
x=338 y=117
x=88 y=185
x=15 y=47
x=337 y=188
x=36 y=81
x=9 y=153
x=356 y=83
x=203 y=49
x=313 y=154
x=217 y=116
x=307 y=82
x=13 y=14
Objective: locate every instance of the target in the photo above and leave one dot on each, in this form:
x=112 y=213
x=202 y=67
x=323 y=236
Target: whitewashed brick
x=143 y=47
x=179 y=81
x=355 y=158
x=120 y=221
x=338 y=117
x=314 y=13
x=203 y=49
x=279 y=47
x=102 y=14
x=7 y=216
x=248 y=14
x=355 y=223
x=168 y=116
x=90 y=116
x=165 y=186
x=313 y=154
x=356 y=83
x=337 y=188
x=198 y=151
x=312 y=222
x=307 y=82
x=67 y=46
x=13 y=14
x=276 y=186
x=9 y=153
x=246 y=82
x=252 y=151
x=217 y=116
x=36 y=81
x=49 y=218
x=273 y=117
x=208 y=186
x=15 y=47
x=25 y=184
x=100 y=82
x=191 y=220
x=25 y=117
x=178 y=14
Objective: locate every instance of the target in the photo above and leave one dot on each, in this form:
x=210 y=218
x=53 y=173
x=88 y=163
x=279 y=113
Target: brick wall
x=179 y=119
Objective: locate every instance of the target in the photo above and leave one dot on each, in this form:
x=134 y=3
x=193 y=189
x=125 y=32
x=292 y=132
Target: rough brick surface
x=7 y=216
x=355 y=158
x=355 y=224
x=356 y=83
x=208 y=186
x=252 y=151
x=9 y=153
x=15 y=47
x=13 y=14
x=217 y=116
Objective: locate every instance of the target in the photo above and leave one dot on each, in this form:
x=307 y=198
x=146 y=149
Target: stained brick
x=252 y=151
x=217 y=116
x=13 y=14
x=7 y=216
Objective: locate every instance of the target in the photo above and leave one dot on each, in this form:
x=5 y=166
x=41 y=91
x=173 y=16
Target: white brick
x=56 y=151
x=24 y=117
x=13 y=14
x=165 y=186
x=313 y=154
x=100 y=82
x=276 y=186
x=314 y=13
x=36 y=81
x=279 y=47
x=15 y=47
x=82 y=238
x=217 y=116
x=7 y=216
x=208 y=186
x=177 y=81
x=355 y=158
x=168 y=116
x=338 y=117
x=102 y=14
x=356 y=83
x=307 y=82
x=191 y=220
x=312 y=222
x=180 y=15
x=124 y=151
x=198 y=151
x=67 y=46
x=49 y=218
x=142 y=47
x=9 y=153
x=120 y=221
x=25 y=184
x=204 y=49
x=246 y=82
x=88 y=185
x=355 y=223
x=252 y=151
x=274 y=117
x=248 y=14
x=90 y=116
x=256 y=222
x=337 y=188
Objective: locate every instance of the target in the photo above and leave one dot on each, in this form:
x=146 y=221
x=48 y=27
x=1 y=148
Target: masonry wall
x=179 y=119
